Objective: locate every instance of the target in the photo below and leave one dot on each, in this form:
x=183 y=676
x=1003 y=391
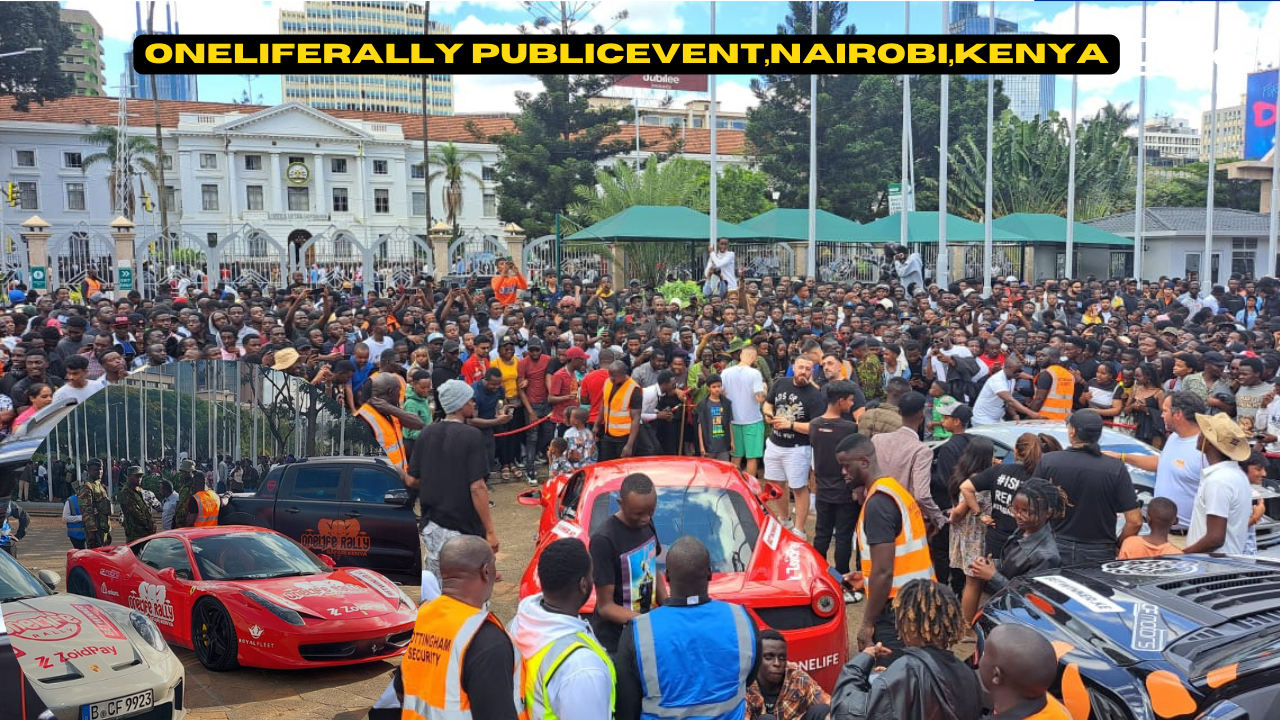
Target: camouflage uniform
x=186 y=490
x=95 y=506
x=137 y=514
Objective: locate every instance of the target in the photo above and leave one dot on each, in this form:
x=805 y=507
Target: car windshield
x=720 y=518
x=253 y=556
x=16 y=583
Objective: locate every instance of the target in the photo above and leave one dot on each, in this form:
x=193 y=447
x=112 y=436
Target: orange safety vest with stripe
x=1061 y=397
x=911 y=560
x=93 y=286
x=617 y=408
x=388 y=433
x=209 y=505
x=432 y=665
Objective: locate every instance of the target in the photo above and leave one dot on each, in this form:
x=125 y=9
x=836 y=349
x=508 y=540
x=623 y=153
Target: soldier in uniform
x=186 y=490
x=95 y=506
x=137 y=513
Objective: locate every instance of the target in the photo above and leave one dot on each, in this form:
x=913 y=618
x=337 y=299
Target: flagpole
x=1273 y=237
x=991 y=120
x=903 y=231
x=941 y=264
x=1071 y=168
x=1140 y=193
x=811 y=259
x=1206 y=265
x=715 y=212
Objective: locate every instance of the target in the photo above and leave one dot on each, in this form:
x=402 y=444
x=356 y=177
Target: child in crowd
x=582 y=444
x=1161 y=515
x=714 y=415
x=558 y=462
x=1256 y=469
x=940 y=399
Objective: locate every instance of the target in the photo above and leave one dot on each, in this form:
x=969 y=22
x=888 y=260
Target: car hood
x=343 y=593
x=65 y=638
x=1193 y=612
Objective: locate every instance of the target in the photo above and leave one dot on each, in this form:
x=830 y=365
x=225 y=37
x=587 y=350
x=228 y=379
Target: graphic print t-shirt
x=628 y=560
x=799 y=404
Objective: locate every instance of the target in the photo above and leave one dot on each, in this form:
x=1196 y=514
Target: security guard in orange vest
x=461 y=663
x=1017 y=667
x=387 y=420
x=1055 y=386
x=619 y=423
x=203 y=507
x=892 y=541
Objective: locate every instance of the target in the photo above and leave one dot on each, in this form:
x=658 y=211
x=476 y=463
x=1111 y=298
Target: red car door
x=165 y=601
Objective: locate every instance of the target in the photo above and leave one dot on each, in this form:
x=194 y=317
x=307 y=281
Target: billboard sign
x=683 y=83
x=1260 y=114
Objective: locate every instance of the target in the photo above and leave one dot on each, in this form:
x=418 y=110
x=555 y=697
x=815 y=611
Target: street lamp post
x=23 y=51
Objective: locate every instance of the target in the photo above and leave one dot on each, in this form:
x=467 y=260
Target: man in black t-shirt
x=788 y=461
x=624 y=555
x=837 y=510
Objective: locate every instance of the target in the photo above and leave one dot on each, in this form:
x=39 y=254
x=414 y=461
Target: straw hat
x=285 y=359
x=1226 y=435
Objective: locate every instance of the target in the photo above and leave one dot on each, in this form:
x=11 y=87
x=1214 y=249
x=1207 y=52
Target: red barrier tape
x=1120 y=425
x=517 y=431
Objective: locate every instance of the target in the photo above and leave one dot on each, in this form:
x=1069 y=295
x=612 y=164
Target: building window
x=338 y=165
x=341 y=202
x=253 y=197
x=343 y=247
x=489 y=174
x=299 y=199
x=252 y=162
x=419 y=204
x=25 y=158
x=209 y=197
x=208 y=161
x=416 y=172
x=490 y=205
x=1244 y=253
x=171 y=199
x=30 y=199
x=257 y=245
x=167 y=162
x=72 y=160
x=697 y=122
x=379 y=167
x=382 y=201
x=211 y=238
x=75 y=196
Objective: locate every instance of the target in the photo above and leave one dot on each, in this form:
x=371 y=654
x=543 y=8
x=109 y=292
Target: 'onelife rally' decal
x=42 y=626
x=150 y=600
x=377 y=582
x=323 y=588
x=337 y=537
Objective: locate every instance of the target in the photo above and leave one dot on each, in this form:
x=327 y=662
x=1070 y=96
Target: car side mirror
x=169 y=575
x=770 y=492
x=48 y=578
x=395 y=497
x=532 y=498
x=328 y=561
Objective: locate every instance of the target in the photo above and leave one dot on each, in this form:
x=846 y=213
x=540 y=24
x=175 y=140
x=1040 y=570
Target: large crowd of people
x=855 y=400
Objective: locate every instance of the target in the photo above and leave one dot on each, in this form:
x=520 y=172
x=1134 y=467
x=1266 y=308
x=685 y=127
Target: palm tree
x=451 y=161
x=139 y=152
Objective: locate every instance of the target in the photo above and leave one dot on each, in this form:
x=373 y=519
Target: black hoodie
x=924 y=684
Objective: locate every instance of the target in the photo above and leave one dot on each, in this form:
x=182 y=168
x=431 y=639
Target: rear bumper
x=821 y=651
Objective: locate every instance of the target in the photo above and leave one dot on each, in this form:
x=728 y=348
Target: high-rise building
x=1230 y=132
x=1171 y=141
x=168 y=87
x=373 y=93
x=83 y=59
x=1029 y=95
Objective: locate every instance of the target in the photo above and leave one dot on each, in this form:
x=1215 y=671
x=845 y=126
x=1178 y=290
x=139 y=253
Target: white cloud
x=734 y=96
x=472 y=25
x=260 y=17
x=643 y=17
x=1086 y=107
x=490 y=93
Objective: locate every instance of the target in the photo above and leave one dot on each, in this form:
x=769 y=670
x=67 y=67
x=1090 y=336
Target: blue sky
x=1180 y=53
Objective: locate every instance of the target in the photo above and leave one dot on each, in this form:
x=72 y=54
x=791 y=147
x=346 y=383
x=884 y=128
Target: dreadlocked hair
x=928 y=611
x=1047 y=501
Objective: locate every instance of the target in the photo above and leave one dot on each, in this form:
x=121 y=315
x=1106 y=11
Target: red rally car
x=249 y=596
x=780 y=579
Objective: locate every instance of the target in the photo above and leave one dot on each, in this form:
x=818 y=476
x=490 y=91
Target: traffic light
x=12 y=194
x=146 y=201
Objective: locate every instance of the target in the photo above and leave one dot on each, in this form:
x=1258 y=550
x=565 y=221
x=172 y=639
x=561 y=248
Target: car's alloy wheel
x=79 y=583
x=213 y=636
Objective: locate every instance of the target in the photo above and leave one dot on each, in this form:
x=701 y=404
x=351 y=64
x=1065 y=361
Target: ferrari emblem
x=94 y=668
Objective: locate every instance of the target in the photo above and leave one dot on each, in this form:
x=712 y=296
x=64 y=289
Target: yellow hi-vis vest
x=542 y=666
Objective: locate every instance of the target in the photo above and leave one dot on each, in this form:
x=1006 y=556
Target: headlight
x=148 y=630
x=283 y=613
x=406 y=600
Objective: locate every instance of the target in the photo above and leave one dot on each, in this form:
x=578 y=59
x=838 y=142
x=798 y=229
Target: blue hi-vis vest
x=75 y=530
x=5 y=530
x=692 y=665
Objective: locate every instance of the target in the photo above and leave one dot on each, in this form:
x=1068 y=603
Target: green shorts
x=748 y=440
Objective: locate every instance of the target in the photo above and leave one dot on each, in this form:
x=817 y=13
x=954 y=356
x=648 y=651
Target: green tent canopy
x=1040 y=228
x=659 y=223
x=922 y=227
x=793 y=224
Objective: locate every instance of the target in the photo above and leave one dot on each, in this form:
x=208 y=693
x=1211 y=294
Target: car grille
x=1233 y=594
x=791 y=617
x=159 y=712
x=356 y=650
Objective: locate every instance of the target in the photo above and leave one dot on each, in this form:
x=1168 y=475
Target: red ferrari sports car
x=249 y=596
x=756 y=563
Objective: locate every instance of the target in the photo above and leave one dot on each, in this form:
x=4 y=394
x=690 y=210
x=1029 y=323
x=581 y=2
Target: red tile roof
x=455 y=128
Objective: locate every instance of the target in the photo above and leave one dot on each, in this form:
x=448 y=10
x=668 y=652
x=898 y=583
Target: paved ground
x=334 y=694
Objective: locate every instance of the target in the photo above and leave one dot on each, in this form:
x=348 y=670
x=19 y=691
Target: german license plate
x=118 y=708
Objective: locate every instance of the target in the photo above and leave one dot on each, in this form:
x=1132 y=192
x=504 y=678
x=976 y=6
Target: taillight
x=824 y=602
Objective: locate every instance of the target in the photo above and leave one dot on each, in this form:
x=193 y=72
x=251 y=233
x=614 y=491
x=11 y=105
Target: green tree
x=451 y=161
x=675 y=182
x=1187 y=188
x=556 y=145
x=859 y=128
x=742 y=194
x=140 y=154
x=563 y=18
x=35 y=75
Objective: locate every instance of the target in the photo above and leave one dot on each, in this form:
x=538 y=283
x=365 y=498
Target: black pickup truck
x=353 y=509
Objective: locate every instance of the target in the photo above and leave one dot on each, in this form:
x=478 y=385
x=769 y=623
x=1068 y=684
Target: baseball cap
x=134 y=470
x=960 y=411
x=575 y=353
x=121 y=320
x=1213 y=357
x=93 y=461
x=434 y=337
x=451 y=346
x=17 y=296
x=1087 y=423
x=534 y=344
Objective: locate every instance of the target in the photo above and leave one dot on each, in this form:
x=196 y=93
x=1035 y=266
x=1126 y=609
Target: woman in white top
x=721 y=272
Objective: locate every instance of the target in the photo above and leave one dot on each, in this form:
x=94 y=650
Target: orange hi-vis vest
x=432 y=665
x=1052 y=710
x=911 y=560
x=209 y=505
x=388 y=433
x=93 y=286
x=1061 y=398
x=617 y=408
